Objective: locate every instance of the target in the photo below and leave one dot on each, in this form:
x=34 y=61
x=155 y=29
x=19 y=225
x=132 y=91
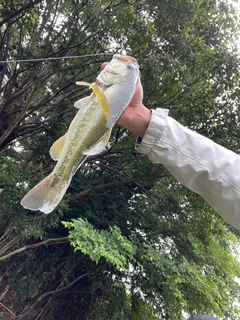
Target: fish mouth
x=124 y=59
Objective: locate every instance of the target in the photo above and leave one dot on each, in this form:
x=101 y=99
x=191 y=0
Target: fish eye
x=129 y=66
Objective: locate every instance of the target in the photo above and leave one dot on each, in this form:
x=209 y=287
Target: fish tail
x=46 y=195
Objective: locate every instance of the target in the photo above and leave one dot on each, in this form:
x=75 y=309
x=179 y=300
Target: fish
x=89 y=131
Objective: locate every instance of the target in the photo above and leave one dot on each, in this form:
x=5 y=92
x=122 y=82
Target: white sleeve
x=197 y=162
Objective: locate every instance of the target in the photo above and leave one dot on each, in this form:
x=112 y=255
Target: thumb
x=103 y=65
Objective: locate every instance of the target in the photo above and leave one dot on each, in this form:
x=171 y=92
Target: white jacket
x=197 y=162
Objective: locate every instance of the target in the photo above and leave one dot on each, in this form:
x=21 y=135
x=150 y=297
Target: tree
x=127 y=241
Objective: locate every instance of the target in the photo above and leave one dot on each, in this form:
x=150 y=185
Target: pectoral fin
x=100 y=94
x=56 y=148
x=99 y=146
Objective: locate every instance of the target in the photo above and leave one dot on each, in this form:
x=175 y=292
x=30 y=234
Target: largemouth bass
x=89 y=132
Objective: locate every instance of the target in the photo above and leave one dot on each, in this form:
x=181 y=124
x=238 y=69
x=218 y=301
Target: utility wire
x=58 y=58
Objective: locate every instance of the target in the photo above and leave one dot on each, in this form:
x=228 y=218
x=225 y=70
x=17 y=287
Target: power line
x=58 y=58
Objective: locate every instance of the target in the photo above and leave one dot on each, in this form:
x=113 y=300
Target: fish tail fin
x=46 y=195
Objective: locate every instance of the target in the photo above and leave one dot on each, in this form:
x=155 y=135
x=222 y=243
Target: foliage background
x=135 y=244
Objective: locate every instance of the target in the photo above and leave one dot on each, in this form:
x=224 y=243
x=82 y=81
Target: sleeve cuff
x=154 y=131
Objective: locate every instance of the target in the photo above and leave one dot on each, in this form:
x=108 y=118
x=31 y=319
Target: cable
x=58 y=58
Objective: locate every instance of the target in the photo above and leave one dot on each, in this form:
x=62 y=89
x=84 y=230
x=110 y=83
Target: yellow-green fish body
x=89 y=132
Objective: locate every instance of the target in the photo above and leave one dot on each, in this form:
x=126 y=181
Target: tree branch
x=35 y=245
x=176 y=9
x=28 y=6
x=108 y=185
x=27 y=310
x=7 y=309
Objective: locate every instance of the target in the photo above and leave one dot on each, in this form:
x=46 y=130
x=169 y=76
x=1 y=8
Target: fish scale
x=92 y=129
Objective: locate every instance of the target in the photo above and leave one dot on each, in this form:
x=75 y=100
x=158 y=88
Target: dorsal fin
x=80 y=103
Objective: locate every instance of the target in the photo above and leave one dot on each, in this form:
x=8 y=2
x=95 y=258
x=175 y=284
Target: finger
x=104 y=64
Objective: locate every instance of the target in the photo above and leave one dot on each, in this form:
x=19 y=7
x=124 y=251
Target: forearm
x=197 y=162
